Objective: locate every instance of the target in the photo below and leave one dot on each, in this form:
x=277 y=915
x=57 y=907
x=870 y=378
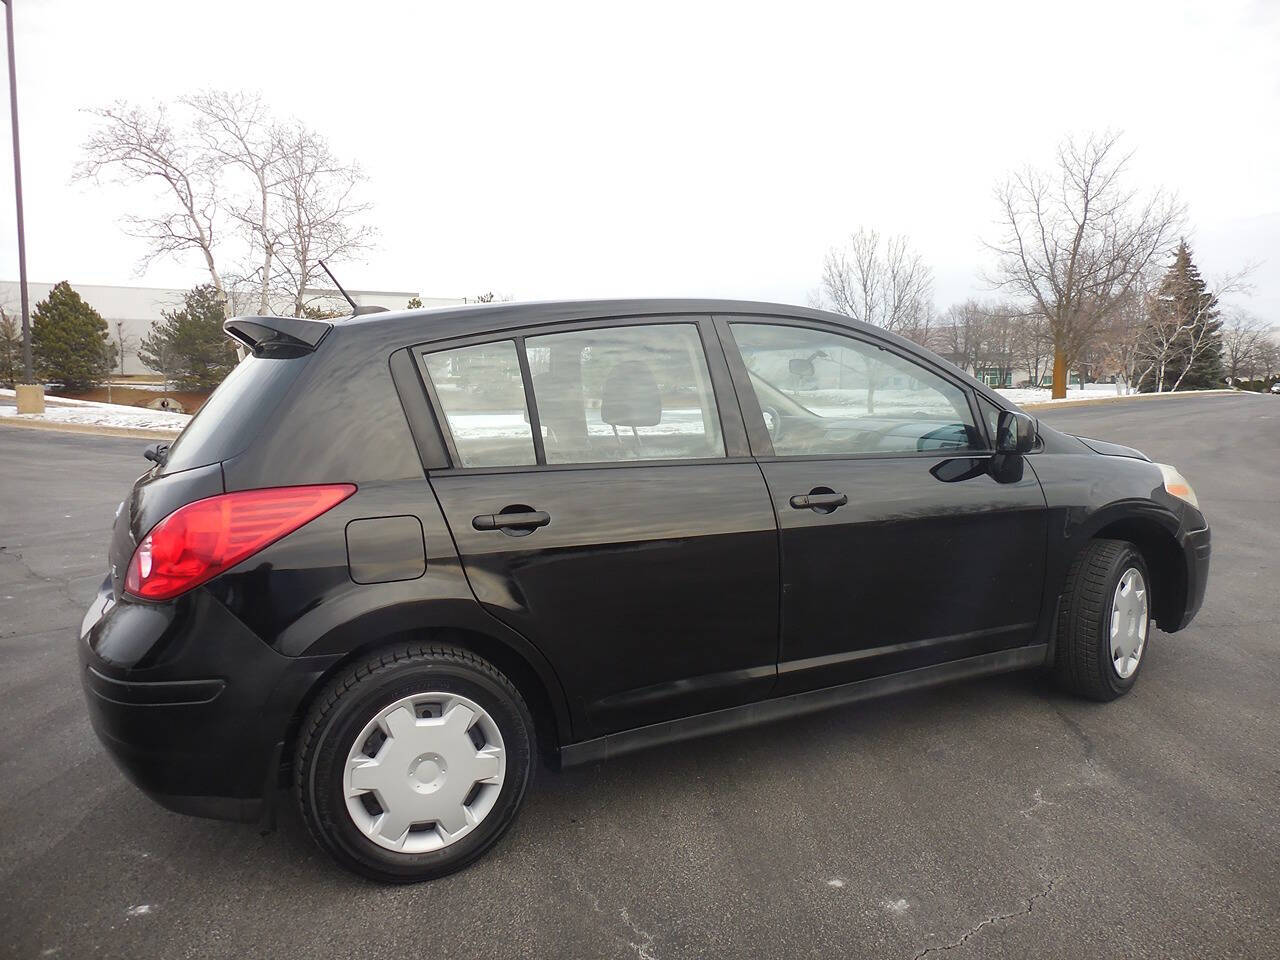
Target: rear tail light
x=197 y=542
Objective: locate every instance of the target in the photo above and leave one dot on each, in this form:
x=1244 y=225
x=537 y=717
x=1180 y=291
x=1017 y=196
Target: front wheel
x=1104 y=621
x=414 y=762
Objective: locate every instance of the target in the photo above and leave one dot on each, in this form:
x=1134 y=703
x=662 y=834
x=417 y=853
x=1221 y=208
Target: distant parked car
x=1275 y=387
x=636 y=522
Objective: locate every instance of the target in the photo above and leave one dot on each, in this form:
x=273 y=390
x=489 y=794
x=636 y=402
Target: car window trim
x=592 y=465
x=733 y=434
x=415 y=401
x=753 y=416
x=531 y=404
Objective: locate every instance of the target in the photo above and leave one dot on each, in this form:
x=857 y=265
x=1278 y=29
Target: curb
x=137 y=433
x=1104 y=401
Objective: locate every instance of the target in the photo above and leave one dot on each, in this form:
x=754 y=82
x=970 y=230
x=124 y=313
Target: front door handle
x=820 y=499
x=517 y=522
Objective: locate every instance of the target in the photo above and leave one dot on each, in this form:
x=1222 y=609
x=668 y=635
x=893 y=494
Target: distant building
x=130 y=311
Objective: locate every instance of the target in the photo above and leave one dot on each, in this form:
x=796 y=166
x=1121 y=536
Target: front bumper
x=193 y=707
x=1196 y=548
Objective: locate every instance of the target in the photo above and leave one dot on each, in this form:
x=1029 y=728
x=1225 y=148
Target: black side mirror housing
x=155 y=453
x=800 y=367
x=1015 y=432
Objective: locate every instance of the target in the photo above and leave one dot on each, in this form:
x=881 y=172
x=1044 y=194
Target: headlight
x=1177 y=485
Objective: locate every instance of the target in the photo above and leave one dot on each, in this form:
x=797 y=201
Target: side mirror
x=155 y=453
x=800 y=367
x=1015 y=432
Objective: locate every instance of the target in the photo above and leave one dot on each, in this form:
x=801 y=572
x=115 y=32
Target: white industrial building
x=130 y=311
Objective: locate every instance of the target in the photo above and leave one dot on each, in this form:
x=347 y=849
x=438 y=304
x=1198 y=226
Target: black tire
x=1082 y=655
x=351 y=700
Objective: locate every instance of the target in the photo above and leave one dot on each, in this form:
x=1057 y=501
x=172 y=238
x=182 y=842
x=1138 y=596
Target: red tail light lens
x=197 y=542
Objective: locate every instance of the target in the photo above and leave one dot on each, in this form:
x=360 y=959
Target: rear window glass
x=231 y=416
x=482 y=393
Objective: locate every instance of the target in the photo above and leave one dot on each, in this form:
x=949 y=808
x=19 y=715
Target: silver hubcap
x=1128 y=622
x=424 y=772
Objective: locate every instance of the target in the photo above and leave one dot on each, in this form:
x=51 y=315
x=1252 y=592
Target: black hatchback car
x=397 y=558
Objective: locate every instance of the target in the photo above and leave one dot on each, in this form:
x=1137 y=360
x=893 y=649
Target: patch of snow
x=835 y=882
x=54 y=401
x=141 y=910
x=896 y=906
x=88 y=412
x=1090 y=391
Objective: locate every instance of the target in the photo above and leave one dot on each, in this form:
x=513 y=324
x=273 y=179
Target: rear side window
x=624 y=393
x=230 y=418
x=482 y=394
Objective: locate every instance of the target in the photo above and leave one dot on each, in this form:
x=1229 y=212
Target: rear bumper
x=192 y=706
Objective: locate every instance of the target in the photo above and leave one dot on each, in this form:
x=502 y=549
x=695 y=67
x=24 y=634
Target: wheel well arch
x=1163 y=557
x=550 y=727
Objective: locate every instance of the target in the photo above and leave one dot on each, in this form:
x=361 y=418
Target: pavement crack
x=63 y=583
x=1038 y=801
x=990 y=921
x=643 y=949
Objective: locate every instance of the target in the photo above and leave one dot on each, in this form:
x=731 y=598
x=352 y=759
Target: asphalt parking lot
x=995 y=818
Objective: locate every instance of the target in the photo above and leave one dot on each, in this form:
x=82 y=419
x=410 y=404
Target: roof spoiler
x=275 y=335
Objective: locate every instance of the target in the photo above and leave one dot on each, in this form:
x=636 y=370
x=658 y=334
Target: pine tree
x=70 y=342
x=188 y=345
x=10 y=348
x=1185 y=323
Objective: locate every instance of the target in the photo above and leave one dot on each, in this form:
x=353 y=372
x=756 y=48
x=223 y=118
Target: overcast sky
x=547 y=150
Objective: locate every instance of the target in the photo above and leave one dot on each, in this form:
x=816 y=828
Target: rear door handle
x=825 y=501
x=526 y=521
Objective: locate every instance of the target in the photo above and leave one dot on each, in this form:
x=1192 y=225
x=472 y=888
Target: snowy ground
x=65 y=410
x=1090 y=391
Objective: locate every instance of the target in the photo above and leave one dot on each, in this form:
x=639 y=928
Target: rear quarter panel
x=344 y=423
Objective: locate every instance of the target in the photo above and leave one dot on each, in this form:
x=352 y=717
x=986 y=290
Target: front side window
x=624 y=393
x=482 y=394
x=823 y=393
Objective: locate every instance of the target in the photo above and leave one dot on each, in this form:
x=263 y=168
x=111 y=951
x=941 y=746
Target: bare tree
x=1075 y=240
x=885 y=284
x=1172 y=340
x=958 y=334
x=137 y=145
x=1268 y=357
x=999 y=328
x=1243 y=336
x=237 y=129
x=234 y=166
x=1122 y=338
x=124 y=344
x=314 y=213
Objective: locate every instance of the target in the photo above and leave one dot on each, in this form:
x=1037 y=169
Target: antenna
x=355 y=307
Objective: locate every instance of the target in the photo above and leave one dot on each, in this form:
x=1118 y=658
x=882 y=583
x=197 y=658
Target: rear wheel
x=1104 y=620
x=414 y=762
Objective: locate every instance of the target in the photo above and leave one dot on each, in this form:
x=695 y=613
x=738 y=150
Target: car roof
x=401 y=328
x=440 y=323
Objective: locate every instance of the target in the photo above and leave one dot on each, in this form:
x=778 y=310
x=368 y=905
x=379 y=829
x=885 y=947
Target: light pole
x=30 y=393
